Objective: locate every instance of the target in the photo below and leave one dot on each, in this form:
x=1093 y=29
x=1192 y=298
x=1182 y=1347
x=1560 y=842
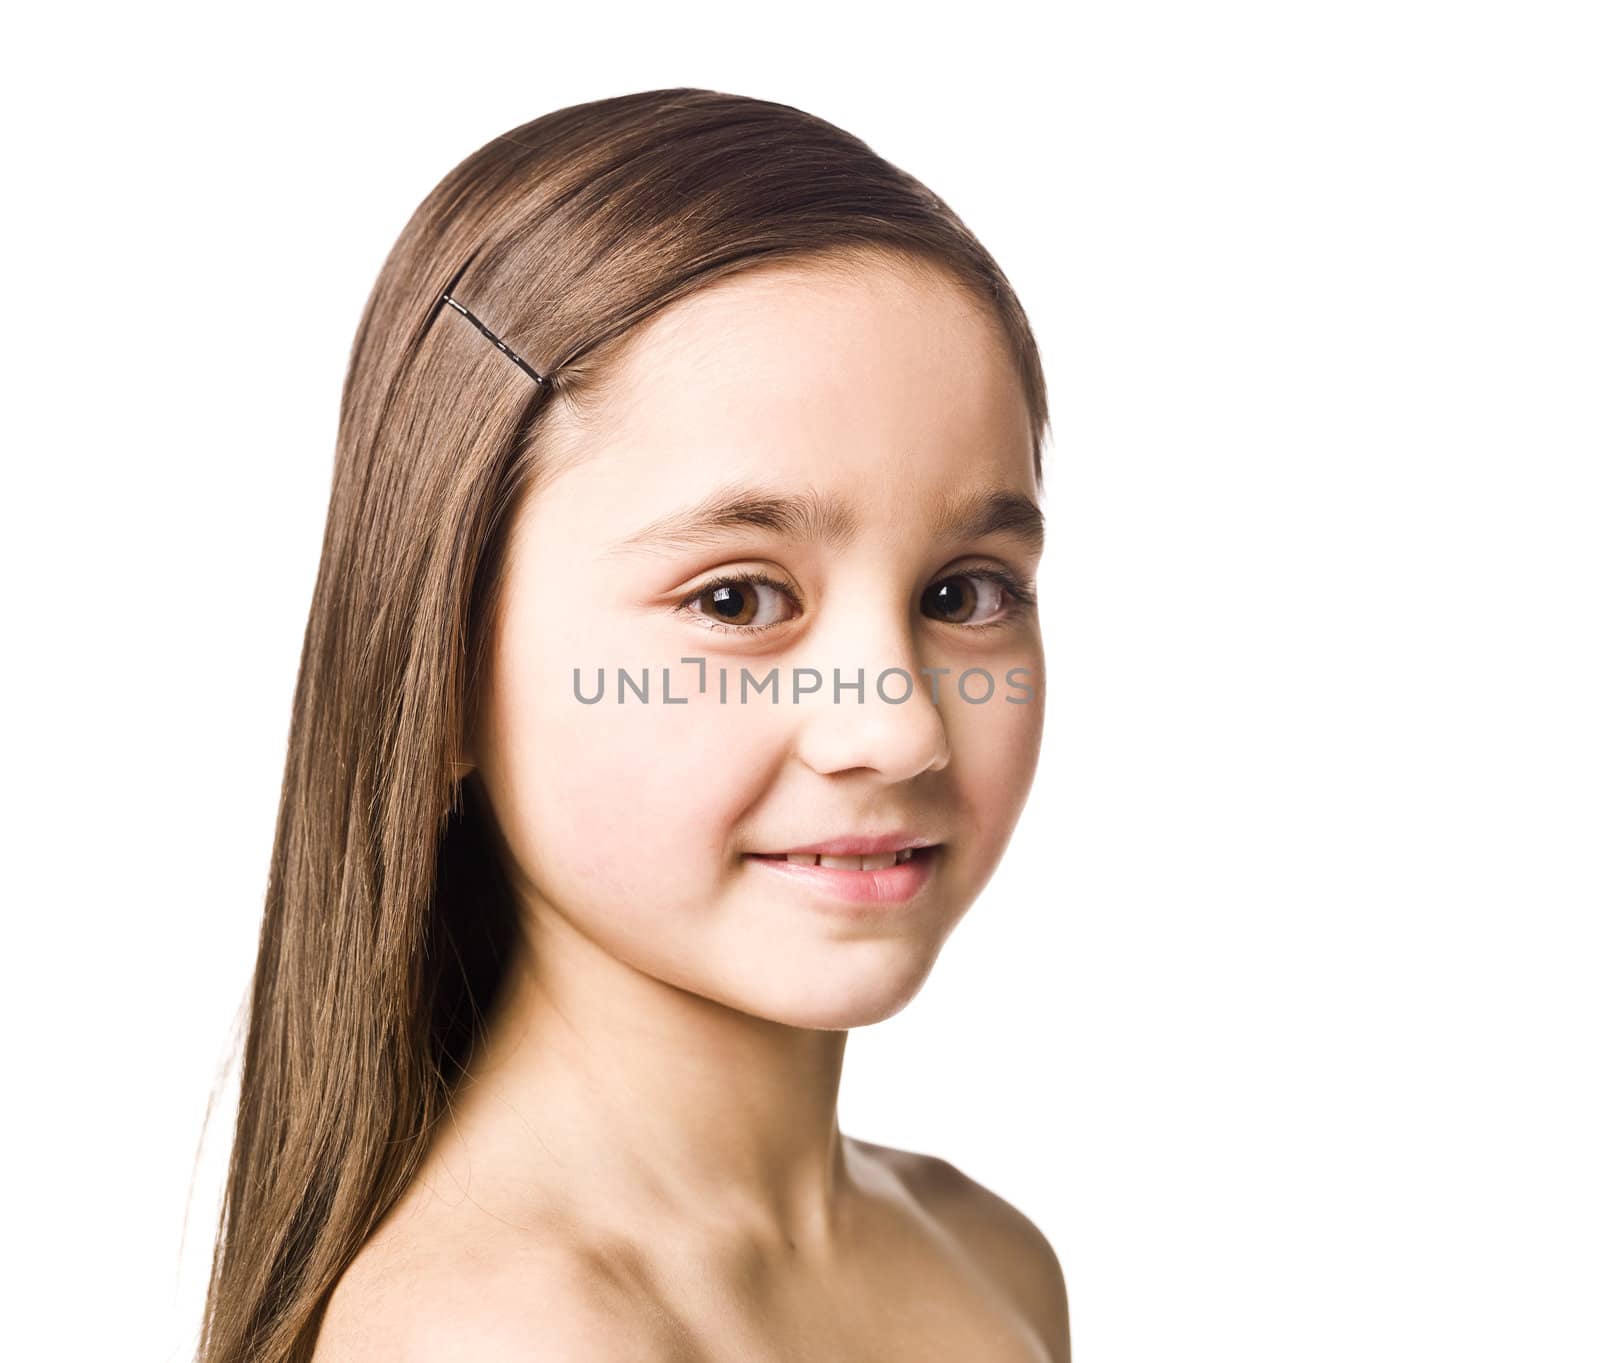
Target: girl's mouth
x=881 y=881
x=880 y=862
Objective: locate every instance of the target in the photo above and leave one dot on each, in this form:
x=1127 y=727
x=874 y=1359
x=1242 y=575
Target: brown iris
x=946 y=596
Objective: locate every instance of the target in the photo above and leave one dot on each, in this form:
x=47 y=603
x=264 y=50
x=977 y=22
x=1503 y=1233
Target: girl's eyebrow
x=811 y=517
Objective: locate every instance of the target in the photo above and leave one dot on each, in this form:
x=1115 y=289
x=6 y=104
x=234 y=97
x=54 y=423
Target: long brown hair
x=388 y=924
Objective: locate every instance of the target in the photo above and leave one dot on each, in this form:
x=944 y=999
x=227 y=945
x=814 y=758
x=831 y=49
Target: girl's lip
x=897 y=884
x=862 y=846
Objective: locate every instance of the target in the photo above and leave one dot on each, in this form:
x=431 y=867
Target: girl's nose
x=882 y=717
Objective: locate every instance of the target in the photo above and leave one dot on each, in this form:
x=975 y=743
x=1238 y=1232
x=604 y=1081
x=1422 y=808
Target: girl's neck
x=618 y=1099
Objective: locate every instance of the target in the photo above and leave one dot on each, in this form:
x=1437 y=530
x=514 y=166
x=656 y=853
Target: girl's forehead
x=803 y=377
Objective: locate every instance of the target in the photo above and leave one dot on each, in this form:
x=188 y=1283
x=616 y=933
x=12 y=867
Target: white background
x=1280 y=1016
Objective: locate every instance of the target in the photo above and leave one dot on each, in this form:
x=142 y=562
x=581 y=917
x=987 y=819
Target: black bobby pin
x=515 y=358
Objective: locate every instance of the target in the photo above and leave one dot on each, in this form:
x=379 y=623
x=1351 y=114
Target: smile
x=873 y=863
x=856 y=885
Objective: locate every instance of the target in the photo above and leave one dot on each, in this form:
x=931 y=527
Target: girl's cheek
x=1010 y=760
x=634 y=790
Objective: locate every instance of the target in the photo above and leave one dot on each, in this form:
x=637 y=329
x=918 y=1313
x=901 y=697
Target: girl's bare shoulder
x=426 y=1288
x=410 y=1298
x=1003 y=1242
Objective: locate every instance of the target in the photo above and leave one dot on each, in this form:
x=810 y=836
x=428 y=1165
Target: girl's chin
x=831 y=1000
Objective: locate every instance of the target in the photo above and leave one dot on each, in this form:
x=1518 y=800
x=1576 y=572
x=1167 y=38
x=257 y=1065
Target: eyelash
x=1022 y=595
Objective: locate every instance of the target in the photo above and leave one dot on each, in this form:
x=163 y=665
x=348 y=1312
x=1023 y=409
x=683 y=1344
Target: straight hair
x=388 y=921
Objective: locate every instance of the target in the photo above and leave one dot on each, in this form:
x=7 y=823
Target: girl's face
x=886 y=410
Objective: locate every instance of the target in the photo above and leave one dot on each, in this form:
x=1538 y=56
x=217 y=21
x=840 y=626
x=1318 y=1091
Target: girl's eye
x=734 y=604
x=955 y=602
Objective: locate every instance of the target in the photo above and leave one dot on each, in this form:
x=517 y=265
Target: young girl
x=672 y=686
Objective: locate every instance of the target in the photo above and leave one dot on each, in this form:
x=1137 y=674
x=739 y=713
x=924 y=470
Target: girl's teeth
x=880 y=862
